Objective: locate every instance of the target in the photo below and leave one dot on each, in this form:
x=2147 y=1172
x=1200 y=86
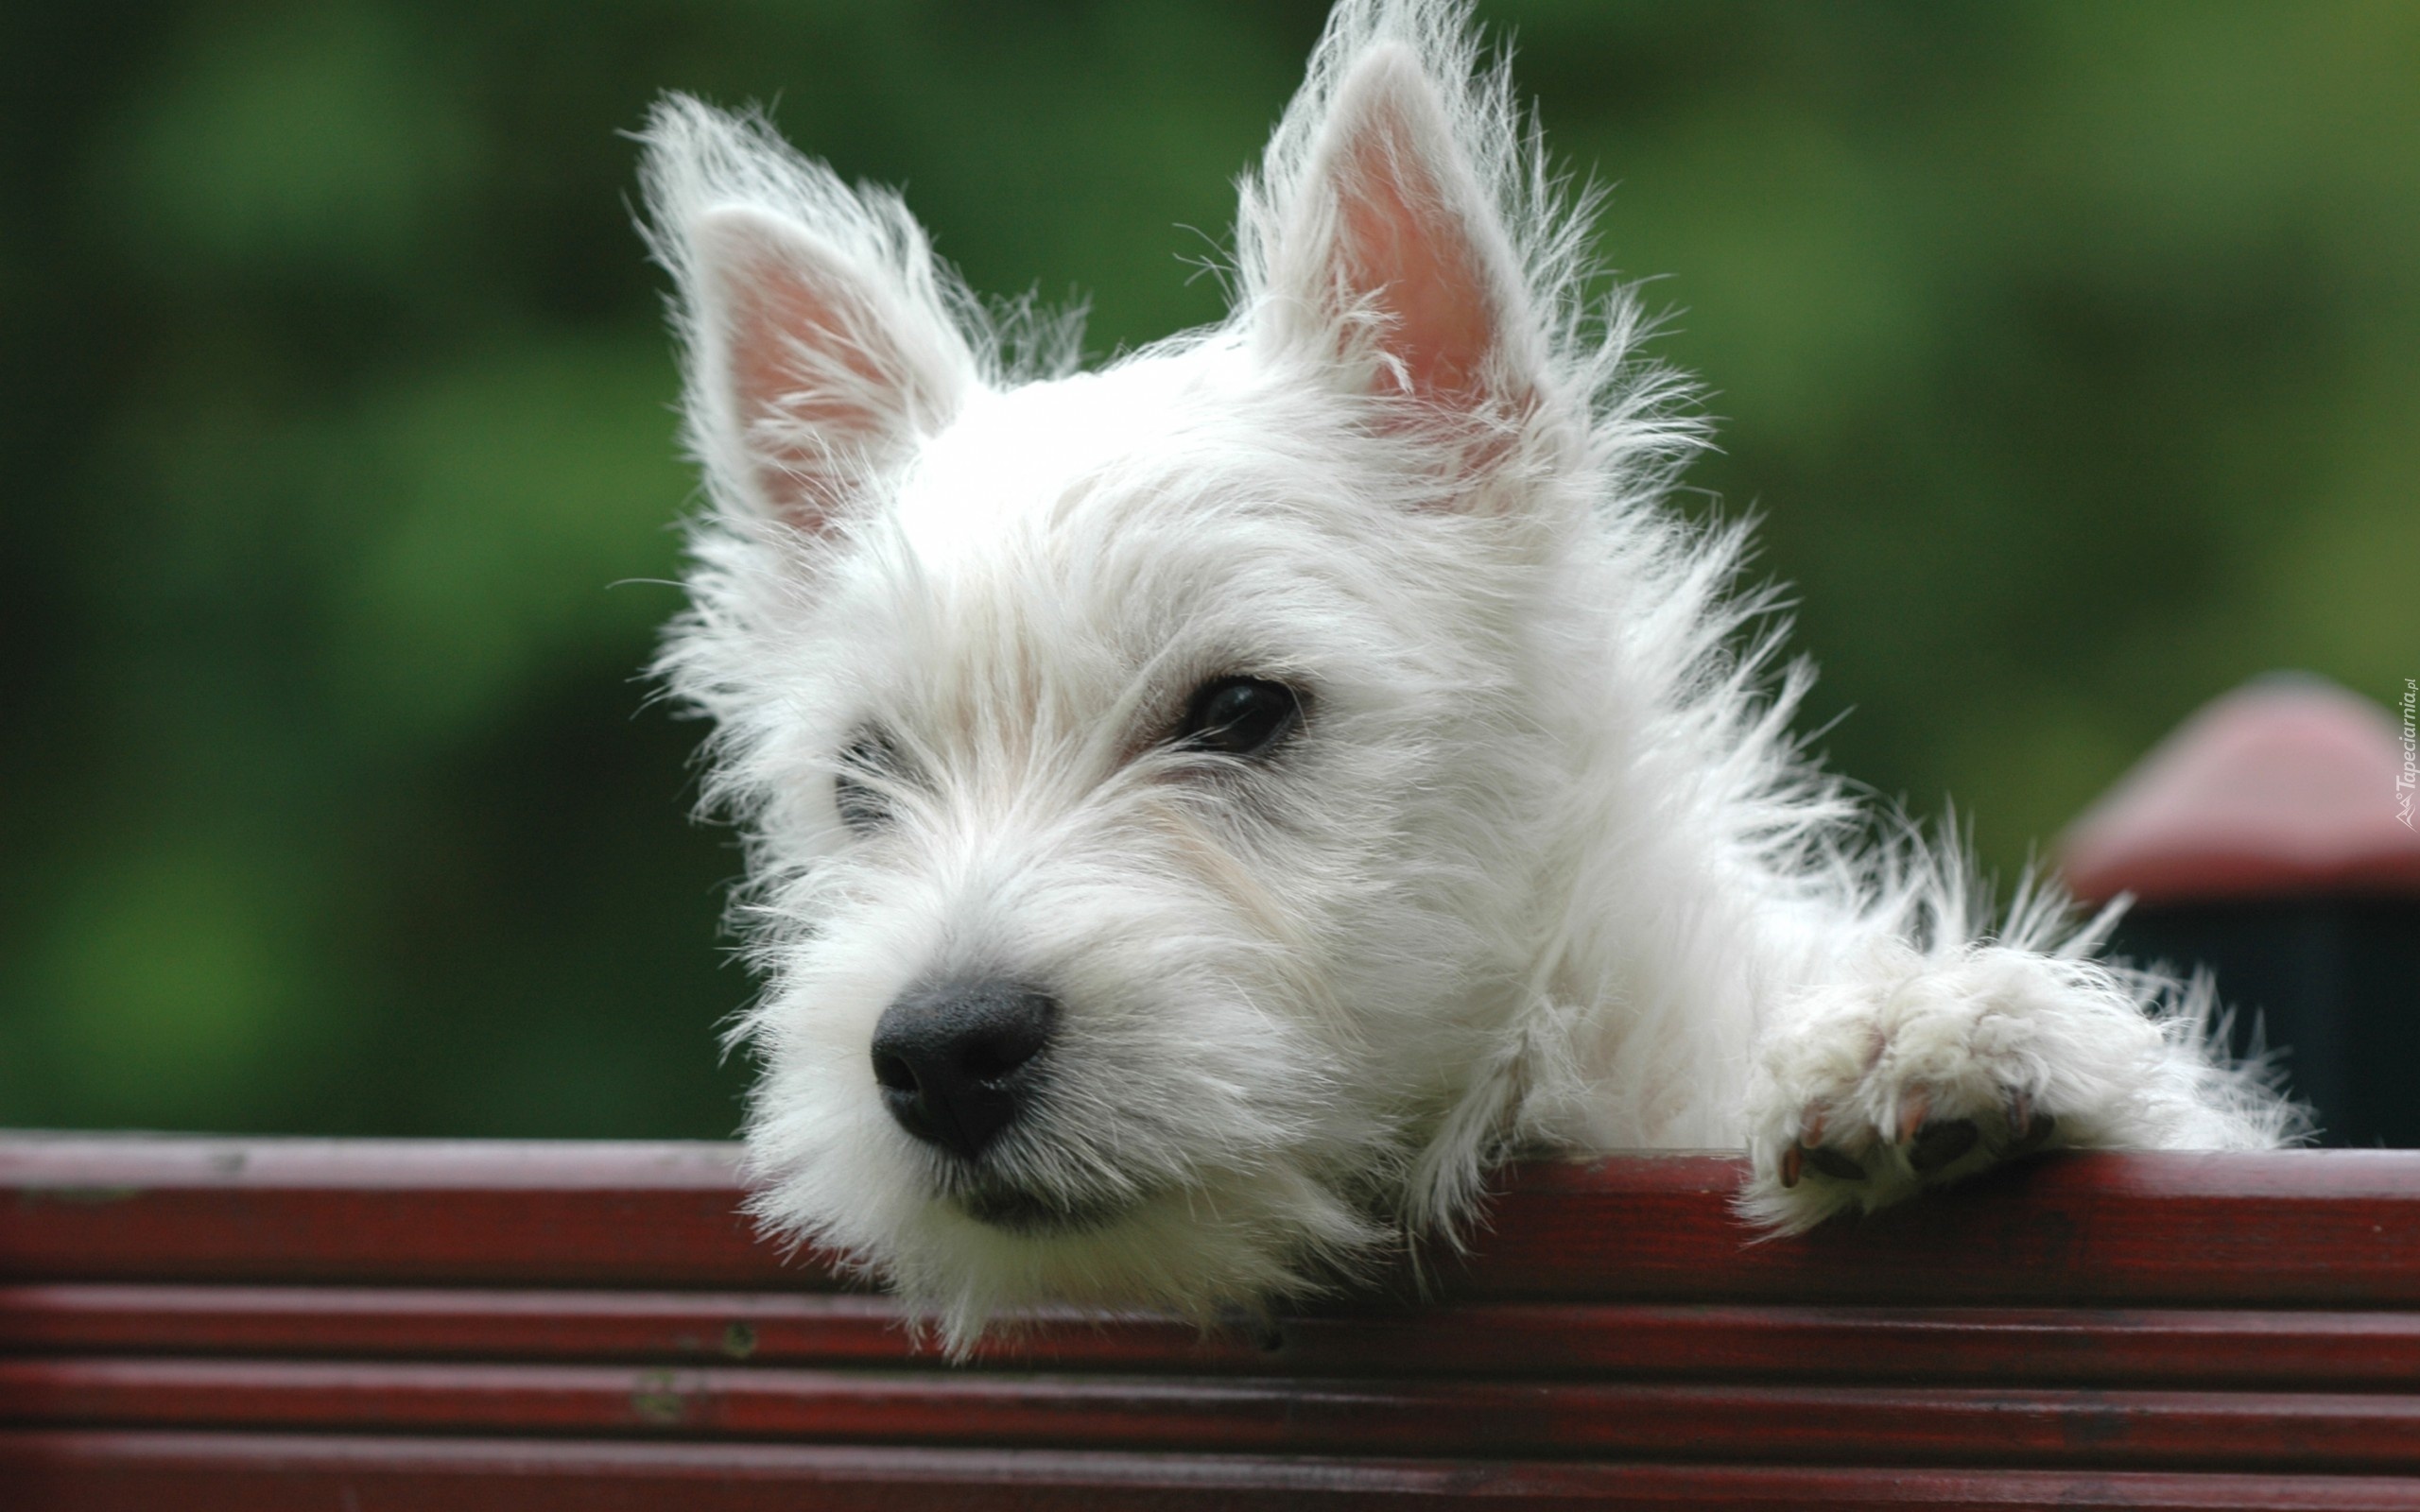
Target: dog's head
x=1149 y=770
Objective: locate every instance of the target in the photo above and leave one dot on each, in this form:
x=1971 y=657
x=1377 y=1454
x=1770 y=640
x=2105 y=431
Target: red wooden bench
x=354 y=1326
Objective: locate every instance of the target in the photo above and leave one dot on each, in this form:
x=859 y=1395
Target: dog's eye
x=861 y=804
x=1239 y=716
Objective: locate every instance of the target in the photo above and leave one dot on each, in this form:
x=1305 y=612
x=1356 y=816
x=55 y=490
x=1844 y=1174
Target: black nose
x=955 y=1061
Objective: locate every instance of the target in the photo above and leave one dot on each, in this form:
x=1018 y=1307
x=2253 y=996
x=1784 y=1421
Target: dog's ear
x=821 y=343
x=1381 y=242
x=819 y=365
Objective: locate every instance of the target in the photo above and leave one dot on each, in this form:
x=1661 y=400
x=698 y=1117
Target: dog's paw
x=1923 y=1073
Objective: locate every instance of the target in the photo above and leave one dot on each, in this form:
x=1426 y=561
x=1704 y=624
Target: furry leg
x=1918 y=1068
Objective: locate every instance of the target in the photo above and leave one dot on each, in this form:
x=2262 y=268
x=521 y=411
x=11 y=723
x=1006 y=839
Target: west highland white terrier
x=1207 y=810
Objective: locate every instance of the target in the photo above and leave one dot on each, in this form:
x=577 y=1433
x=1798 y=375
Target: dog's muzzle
x=958 y=1062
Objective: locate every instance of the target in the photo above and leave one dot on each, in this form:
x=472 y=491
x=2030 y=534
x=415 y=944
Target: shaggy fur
x=1542 y=866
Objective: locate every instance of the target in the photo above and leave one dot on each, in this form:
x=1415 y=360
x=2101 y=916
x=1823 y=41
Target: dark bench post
x=2266 y=841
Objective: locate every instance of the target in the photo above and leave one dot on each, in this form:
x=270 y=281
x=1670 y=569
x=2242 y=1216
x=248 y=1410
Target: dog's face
x=1146 y=767
x=1140 y=799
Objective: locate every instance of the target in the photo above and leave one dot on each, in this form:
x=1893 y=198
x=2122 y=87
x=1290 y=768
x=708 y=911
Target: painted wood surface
x=1547 y=1340
x=2299 y=1226
x=141 y=1472
x=205 y=1323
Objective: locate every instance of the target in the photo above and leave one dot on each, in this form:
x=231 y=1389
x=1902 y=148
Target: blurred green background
x=2070 y=352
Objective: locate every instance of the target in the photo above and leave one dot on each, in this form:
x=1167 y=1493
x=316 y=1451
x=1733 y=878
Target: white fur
x=1545 y=866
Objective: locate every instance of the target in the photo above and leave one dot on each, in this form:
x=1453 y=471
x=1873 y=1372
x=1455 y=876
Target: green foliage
x=2069 y=351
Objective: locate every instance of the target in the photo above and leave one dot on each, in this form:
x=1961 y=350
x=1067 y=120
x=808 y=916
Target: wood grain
x=86 y=1471
x=264 y=1323
x=1941 y=1425
x=2068 y=1345
x=2308 y=1228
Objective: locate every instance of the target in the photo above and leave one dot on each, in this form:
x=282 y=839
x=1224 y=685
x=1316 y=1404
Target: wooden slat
x=545 y=1211
x=2142 y=1429
x=96 y=1165
x=93 y=1472
x=2203 y=1348
x=2191 y=1346
x=454 y=1323
x=2296 y=1227
x=2300 y=1228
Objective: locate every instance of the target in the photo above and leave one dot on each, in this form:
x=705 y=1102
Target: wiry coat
x=1542 y=864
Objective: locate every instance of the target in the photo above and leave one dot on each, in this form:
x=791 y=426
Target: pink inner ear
x=1400 y=244
x=806 y=387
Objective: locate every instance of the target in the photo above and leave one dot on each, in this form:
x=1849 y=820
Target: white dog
x=1207 y=810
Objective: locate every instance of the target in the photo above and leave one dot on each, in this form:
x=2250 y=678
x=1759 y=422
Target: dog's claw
x=2038 y=1129
x=1938 y=1145
x=1831 y=1162
x=1911 y=1116
x=1789 y=1159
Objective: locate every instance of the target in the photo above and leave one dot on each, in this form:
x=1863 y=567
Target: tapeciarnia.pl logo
x=2405 y=778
